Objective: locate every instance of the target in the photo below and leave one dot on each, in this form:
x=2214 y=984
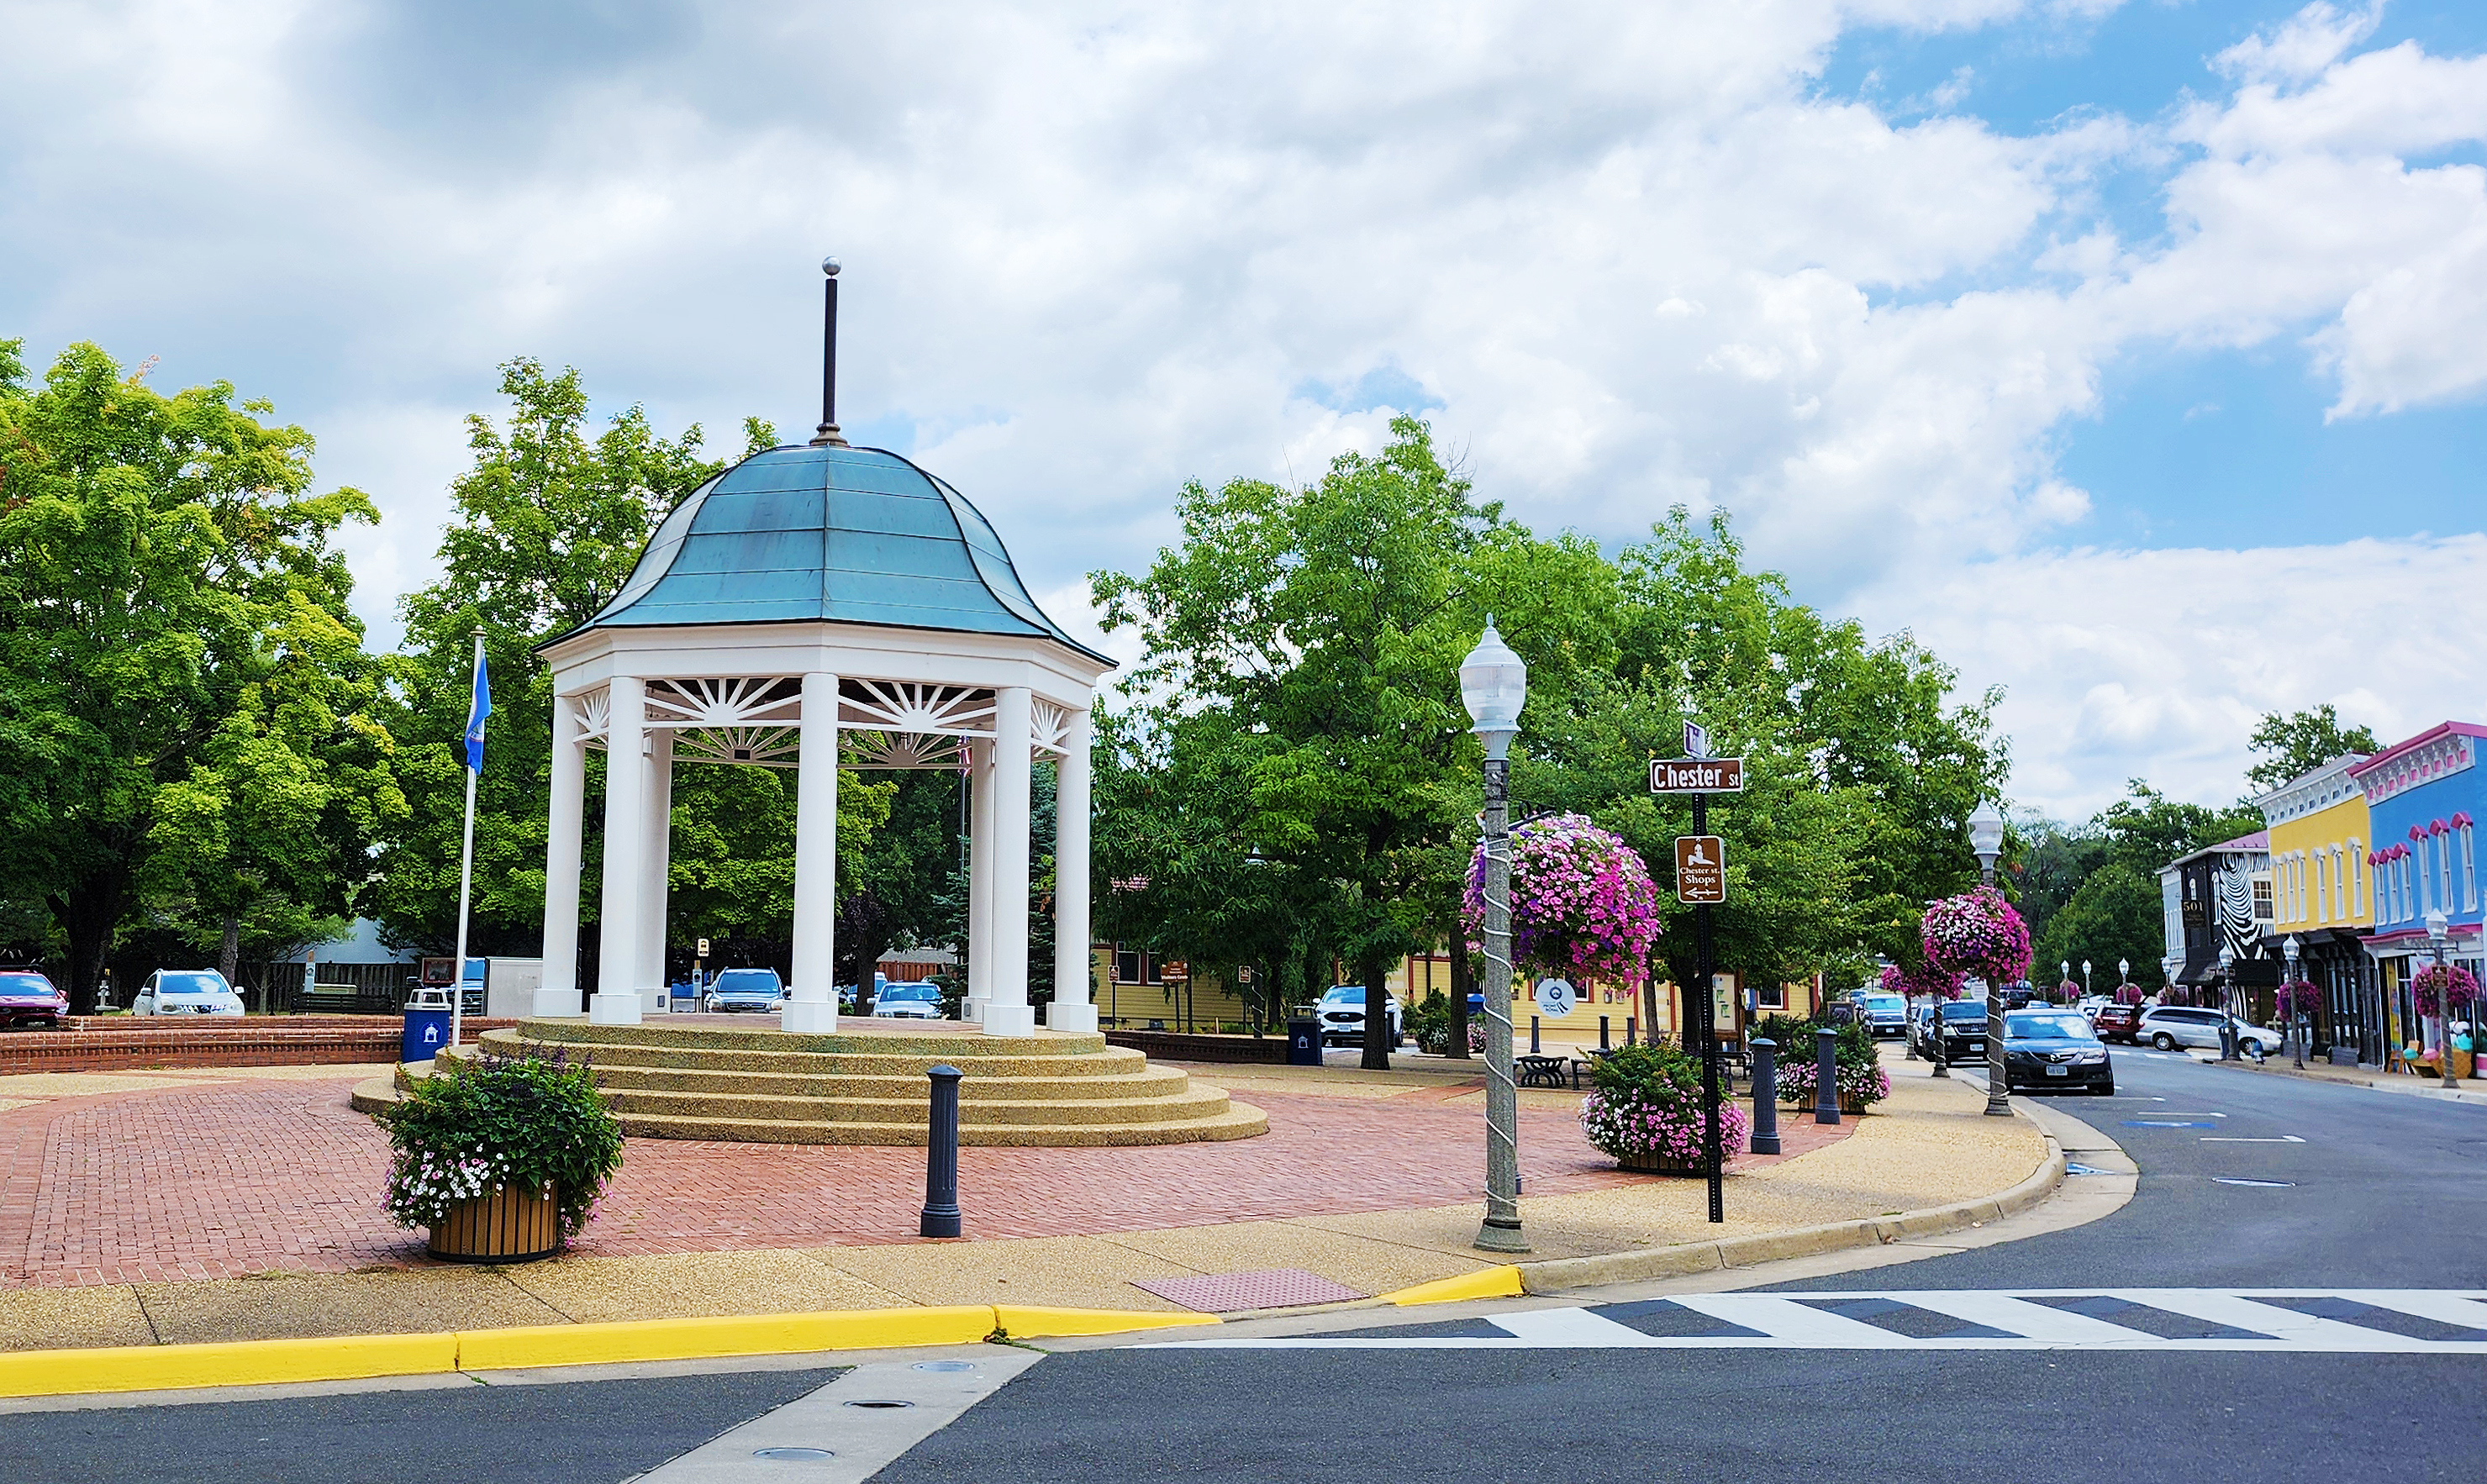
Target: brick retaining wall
x=119 y=1043
x=1182 y=1045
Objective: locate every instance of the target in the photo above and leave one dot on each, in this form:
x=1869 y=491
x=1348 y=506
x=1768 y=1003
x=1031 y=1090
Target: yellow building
x=2322 y=894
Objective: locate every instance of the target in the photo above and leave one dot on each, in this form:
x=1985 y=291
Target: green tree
x=2146 y=829
x=2296 y=745
x=183 y=694
x=1328 y=623
x=2115 y=914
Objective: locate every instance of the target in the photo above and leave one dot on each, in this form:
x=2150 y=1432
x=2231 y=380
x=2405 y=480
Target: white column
x=616 y=1002
x=557 y=993
x=657 y=823
x=1007 y=1013
x=980 y=880
x=812 y=998
x=1072 y=1008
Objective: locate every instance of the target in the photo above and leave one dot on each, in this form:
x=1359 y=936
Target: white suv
x=2169 y=1027
x=1341 y=1014
x=186 y=992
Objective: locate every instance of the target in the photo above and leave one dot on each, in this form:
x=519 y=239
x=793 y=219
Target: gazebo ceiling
x=850 y=535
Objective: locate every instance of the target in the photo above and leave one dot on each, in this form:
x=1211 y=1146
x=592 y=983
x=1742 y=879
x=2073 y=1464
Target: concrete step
x=1237 y=1121
x=775 y=1055
x=869 y=1038
x=980 y=1086
x=1193 y=1103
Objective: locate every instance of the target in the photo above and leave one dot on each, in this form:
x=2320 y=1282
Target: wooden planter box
x=507 y=1226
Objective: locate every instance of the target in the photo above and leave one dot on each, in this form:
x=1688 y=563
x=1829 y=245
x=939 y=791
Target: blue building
x=2423 y=797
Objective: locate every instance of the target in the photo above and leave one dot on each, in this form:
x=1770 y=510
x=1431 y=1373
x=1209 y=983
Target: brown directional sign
x=1696 y=776
x=1700 y=869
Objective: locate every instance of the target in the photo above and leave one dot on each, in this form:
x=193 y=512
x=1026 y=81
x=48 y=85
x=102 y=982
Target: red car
x=28 y=998
x=2119 y=1022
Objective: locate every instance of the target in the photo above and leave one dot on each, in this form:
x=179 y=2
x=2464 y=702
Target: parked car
x=745 y=989
x=1885 y=1015
x=28 y=998
x=909 y=999
x=2049 y=1050
x=1964 y=1031
x=2119 y=1022
x=2169 y=1027
x=1341 y=1013
x=186 y=992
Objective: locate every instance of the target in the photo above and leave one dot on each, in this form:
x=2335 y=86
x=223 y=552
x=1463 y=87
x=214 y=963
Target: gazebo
x=829 y=606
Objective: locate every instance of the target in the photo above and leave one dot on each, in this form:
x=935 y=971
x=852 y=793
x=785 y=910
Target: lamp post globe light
x=1986 y=838
x=2439 y=936
x=2086 y=978
x=2067 y=966
x=1493 y=686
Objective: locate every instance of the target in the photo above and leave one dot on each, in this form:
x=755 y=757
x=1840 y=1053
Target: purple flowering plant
x=2297 y=998
x=2429 y=985
x=1646 y=1103
x=1977 y=933
x=1942 y=984
x=1582 y=899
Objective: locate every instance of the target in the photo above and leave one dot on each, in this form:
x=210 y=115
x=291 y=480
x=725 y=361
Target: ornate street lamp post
x=2066 y=967
x=1986 y=838
x=2086 y=978
x=2288 y=949
x=2227 y=1003
x=1494 y=684
x=2438 y=936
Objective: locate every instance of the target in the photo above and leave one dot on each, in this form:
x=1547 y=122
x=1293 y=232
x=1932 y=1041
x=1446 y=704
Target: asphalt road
x=2386 y=1192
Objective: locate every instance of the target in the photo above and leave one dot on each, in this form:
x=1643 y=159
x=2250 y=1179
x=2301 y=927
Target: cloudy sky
x=2129 y=353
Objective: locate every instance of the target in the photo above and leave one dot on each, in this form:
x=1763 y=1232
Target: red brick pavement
x=216 y=1180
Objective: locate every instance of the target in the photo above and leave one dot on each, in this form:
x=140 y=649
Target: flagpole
x=465 y=880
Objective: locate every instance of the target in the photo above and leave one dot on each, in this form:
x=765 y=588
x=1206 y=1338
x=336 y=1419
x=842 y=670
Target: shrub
x=1645 y=1102
x=1860 y=1063
x=500 y=1123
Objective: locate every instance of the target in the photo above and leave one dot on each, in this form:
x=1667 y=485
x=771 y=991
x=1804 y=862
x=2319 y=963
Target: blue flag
x=475 y=712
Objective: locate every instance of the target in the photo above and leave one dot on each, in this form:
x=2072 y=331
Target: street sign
x=703 y=948
x=1554 y=998
x=1700 y=870
x=1243 y=974
x=1696 y=776
x=1174 y=972
x=1697 y=739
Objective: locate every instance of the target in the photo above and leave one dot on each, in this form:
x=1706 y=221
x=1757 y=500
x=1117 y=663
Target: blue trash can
x=426 y=1031
x=1304 y=1043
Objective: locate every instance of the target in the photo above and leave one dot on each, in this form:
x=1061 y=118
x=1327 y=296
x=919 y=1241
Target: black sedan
x=1964 y=1031
x=2047 y=1050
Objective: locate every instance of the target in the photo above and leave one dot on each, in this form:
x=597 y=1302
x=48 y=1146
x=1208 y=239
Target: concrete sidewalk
x=2471 y=1090
x=1925 y=1161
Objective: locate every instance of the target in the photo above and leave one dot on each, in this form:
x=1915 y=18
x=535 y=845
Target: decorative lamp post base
x=1492 y=1236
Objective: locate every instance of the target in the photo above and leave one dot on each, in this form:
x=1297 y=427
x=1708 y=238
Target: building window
x=2357 y=879
x=2322 y=888
x=2469 y=870
x=2261 y=901
x=1136 y=966
x=1771 y=997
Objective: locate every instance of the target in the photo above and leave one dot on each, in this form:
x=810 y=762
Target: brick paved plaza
x=137 y=1176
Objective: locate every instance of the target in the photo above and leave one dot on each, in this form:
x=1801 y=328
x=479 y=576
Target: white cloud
x=1633 y=251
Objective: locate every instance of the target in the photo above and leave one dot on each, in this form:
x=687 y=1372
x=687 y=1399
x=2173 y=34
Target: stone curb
x=2418 y=1088
x=1557 y=1275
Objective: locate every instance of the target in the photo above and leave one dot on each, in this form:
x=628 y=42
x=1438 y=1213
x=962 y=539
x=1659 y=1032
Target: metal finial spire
x=826 y=436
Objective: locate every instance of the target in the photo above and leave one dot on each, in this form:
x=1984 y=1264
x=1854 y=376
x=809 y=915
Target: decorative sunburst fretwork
x=729 y=702
x=593 y=710
x=905 y=706
x=760 y=746
x=1051 y=726
x=902 y=749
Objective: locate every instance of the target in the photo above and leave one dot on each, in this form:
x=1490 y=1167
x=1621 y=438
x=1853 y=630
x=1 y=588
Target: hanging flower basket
x=2429 y=987
x=2297 y=998
x=1581 y=901
x=2128 y=994
x=1939 y=983
x=1977 y=933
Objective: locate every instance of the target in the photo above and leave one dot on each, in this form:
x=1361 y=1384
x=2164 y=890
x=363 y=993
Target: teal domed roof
x=846 y=535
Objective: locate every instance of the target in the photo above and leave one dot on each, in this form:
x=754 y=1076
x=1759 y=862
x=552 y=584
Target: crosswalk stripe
x=2010 y=1320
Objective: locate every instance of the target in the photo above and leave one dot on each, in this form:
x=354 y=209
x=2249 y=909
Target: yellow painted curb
x=237 y=1363
x=689 y=1340
x=1030 y=1321
x=1501 y=1282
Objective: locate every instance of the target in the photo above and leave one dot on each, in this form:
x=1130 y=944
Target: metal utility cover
x=1696 y=776
x=1700 y=869
x=1228 y=1293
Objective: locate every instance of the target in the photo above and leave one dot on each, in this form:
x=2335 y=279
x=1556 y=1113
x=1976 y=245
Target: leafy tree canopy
x=2293 y=746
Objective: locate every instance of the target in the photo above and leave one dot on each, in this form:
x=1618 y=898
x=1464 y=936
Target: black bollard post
x=940 y=1216
x=1826 y=1072
x=1766 y=1098
x=1605 y=1037
x=1533 y=1047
